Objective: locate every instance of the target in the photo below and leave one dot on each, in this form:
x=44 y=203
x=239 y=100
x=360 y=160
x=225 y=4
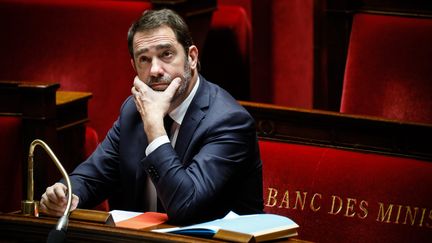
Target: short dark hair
x=153 y=19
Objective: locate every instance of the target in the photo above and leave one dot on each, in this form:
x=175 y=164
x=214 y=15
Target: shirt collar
x=180 y=111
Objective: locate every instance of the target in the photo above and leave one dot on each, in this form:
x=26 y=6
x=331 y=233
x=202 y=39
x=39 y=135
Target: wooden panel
x=325 y=128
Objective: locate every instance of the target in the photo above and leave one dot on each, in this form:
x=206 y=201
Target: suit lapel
x=195 y=113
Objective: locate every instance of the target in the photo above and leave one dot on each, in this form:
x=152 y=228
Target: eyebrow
x=158 y=47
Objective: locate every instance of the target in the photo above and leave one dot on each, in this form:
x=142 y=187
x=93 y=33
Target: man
x=207 y=166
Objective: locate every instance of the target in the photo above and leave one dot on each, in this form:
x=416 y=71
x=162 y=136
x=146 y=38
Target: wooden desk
x=71 y=108
x=17 y=227
x=56 y=117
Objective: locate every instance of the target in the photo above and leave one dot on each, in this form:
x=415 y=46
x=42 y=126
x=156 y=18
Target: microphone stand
x=30 y=207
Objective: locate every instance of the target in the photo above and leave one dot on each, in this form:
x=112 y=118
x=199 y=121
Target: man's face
x=159 y=58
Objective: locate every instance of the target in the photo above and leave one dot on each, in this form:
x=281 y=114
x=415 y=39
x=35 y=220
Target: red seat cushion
x=337 y=195
x=388 y=70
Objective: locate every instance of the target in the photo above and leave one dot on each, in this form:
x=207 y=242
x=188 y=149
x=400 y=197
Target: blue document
x=241 y=228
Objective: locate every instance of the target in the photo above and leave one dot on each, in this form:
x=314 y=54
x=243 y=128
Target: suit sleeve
x=223 y=149
x=94 y=179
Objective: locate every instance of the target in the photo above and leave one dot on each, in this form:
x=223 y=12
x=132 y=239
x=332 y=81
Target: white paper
x=120 y=215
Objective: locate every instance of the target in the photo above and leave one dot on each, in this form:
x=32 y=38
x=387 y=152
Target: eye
x=144 y=59
x=166 y=55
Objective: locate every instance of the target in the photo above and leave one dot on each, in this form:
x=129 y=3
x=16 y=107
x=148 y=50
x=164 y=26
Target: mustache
x=163 y=79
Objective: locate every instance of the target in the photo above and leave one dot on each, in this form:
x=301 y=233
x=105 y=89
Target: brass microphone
x=30 y=207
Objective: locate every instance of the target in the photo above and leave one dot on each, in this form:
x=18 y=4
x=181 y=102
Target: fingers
x=138 y=103
x=152 y=104
x=50 y=207
x=57 y=193
x=139 y=85
x=75 y=201
x=136 y=96
x=172 y=88
x=134 y=91
x=54 y=200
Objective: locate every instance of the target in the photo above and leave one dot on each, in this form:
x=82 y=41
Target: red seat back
x=91 y=142
x=227 y=48
x=338 y=195
x=80 y=44
x=388 y=71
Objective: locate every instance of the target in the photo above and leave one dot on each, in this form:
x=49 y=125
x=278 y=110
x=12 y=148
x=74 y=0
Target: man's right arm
x=54 y=200
x=92 y=180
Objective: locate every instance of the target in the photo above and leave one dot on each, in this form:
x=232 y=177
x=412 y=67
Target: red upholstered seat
x=10 y=163
x=337 y=195
x=79 y=44
x=225 y=57
x=388 y=70
x=91 y=142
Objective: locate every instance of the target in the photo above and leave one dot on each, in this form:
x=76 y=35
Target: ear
x=133 y=64
x=193 y=56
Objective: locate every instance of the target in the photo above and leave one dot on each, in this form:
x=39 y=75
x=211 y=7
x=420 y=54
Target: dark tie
x=168 y=122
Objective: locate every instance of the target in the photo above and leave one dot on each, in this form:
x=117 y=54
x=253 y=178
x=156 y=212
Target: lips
x=159 y=86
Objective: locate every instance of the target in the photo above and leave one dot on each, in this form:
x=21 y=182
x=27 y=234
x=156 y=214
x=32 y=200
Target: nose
x=156 y=68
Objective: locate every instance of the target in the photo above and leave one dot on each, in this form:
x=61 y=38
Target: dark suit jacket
x=214 y=168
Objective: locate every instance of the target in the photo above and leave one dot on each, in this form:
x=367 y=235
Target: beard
x=187 y=77
x=167 y=78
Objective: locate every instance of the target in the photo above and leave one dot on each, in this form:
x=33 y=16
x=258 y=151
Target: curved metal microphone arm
x=29 y=206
